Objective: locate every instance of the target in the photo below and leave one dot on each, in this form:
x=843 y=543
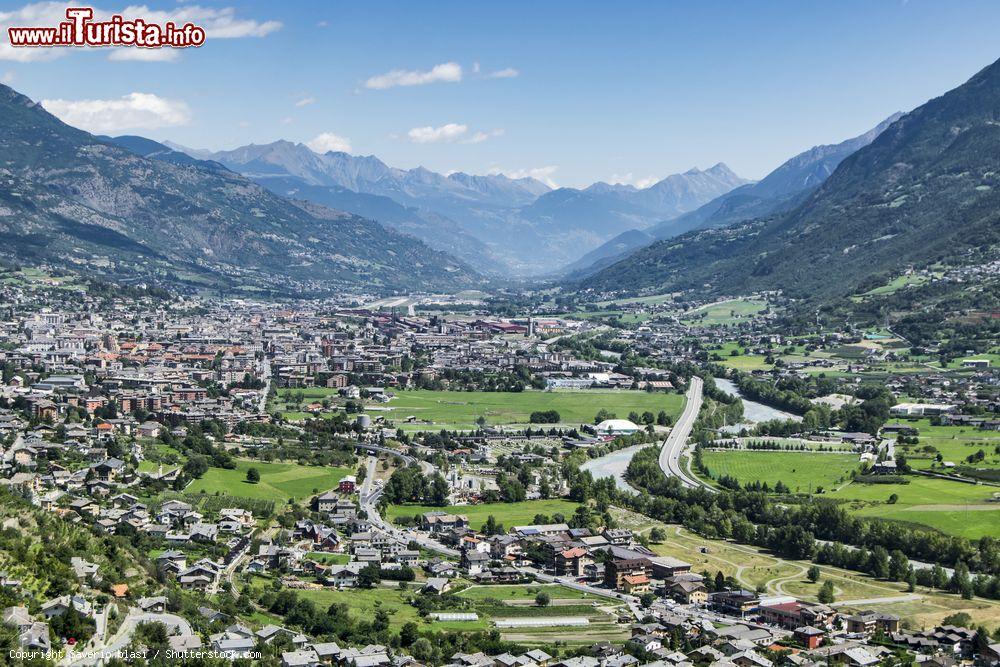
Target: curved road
x=673 y=446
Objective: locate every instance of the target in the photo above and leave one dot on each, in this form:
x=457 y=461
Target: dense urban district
x=489 y=480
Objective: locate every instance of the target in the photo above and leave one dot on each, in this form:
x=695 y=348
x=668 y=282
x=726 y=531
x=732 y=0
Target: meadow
x=461 y=409
x=725 y=313
x=954 y=443
x=951 y=507
x=278 y=481
x=802 y=472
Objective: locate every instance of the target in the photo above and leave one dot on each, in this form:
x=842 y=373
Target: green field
x=725 y=313
x=278 y=481
x=521 y=592
x=461 y=409
x=954 y=443
x=802 y=472
x=897 y=284
x=954 y=508
x=509 y=514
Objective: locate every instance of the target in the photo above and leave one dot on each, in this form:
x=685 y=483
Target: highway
x=673 y=446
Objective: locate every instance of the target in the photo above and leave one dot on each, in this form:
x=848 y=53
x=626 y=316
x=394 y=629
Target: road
x=265 y=372
x=673 y=446
x=368 y=499
x=95 y=656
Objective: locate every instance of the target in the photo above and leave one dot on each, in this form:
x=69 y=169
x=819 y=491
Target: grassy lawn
x=278 y=481
x=802 y=472
x=951 y=507
x=726 y=313
x=363 y=603
x=328 y=558
x=509 y=514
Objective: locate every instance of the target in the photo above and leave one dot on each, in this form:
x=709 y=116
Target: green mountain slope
x=69 y=198
x=926 y=190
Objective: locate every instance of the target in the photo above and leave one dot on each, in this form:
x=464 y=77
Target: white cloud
x=219 y=23
x=480 y=137
x=328 y=141
x=287 y=120
x=321 y=24
x=430 y=135
x=543 y=174
x=143 y=111
x=445 y=72
x=305 y=101
x=8 y=77
x=145 y=55
x=506 y=73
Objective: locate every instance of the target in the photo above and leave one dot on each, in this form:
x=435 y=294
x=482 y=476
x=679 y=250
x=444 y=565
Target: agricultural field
x=509 y=514
x=955 y=508
x=726 y=313
x=278 y=481
x=802 y=472
x=756 y=569
x=954 y=443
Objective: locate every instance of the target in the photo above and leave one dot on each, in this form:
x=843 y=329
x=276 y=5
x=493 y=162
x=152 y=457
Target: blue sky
x=570 y=91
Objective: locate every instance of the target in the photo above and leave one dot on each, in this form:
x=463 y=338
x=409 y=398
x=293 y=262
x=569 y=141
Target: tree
x=196 y=466
x=826 y=595
x=813 y=574
x=253 y=475
x=438 y=491
x=408 y=634
x=899 y=565
x=657 y=534
x=369 y=576
x=542 y=599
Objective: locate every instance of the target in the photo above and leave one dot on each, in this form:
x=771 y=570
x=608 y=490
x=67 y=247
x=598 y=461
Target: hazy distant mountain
x=925 y=190
x=514 y=226
x=781 y=190
x=73 y=199
x=678 y=193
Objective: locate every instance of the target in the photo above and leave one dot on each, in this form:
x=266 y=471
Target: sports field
x=278 y=481
x=802 y=472
x=509 y=514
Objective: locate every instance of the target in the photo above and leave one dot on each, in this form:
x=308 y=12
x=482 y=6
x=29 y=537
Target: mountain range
x=925 y=190
x=70 y=199
x=500 y=225
x=781 y=190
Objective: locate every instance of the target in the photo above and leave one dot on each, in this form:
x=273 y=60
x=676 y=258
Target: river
x=614 y=465
x=753 y=412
